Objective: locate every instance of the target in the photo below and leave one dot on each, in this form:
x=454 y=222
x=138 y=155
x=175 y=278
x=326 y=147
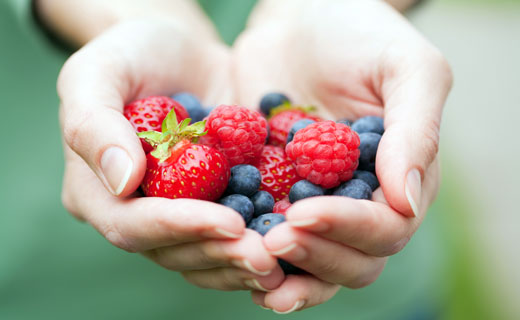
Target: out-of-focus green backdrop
x=480 y=222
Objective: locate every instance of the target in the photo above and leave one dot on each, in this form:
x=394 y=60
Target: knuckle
x=327 y=267
x=76 y=127
x=394 y=248
x=367 y=278
x=116 y=238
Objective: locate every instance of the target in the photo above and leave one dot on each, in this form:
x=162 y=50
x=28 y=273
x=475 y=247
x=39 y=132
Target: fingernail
x=219 y=233
x=413 y=190
x=310 y=224
x=245 y=264
x=293 y=252
x=254 y=284
x=116 y=167
x=265 y=308
x=298 y=305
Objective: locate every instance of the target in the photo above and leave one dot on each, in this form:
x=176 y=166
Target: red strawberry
x=326 y=153
x=282 y=120
x=147 y=114
x=282 y=206
x=278 y=172
x=179 y=168
x=239 y=133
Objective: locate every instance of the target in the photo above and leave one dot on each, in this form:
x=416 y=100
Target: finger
x=138 y=224
x=325 y=259
x=296 y=293
x=247 y=253
x=233 y=279
x=414 y=91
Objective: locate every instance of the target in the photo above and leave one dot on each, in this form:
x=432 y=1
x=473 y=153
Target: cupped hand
x=350 y=59
x=105 y=162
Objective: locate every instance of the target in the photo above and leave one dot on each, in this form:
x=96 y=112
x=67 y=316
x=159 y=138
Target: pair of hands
x=349 y=58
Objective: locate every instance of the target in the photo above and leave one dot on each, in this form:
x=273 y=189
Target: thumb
x=92 y=100
x=414 y=100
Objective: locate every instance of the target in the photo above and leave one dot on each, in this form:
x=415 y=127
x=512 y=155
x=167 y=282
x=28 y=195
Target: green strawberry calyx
x=172 y=133
x=286 y=106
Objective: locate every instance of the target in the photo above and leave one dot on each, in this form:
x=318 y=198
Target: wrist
x=77 y=22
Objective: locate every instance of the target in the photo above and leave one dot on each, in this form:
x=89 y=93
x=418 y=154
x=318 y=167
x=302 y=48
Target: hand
x=105 y=162
x=349 y=58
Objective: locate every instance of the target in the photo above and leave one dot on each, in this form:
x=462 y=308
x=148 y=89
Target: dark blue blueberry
x=190 y=102
x=345 y=121
x=368 y=143
x=369 y=124
x=263 y=202
x=262 y=225
x=368 y=177
x=245 y=179
x=240 y=204
x=298 y=125
x=272 y=100
x=266 y=222
x=304 y=189
x=355 y=188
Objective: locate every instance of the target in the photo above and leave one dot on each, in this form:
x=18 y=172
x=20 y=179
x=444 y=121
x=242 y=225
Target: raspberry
x=282 y=122
x=237 y=132
x=326 y=153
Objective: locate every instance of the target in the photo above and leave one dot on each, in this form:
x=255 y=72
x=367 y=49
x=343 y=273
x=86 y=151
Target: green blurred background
x=47 y=255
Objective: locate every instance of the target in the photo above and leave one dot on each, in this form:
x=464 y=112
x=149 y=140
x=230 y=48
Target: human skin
x=363 y=58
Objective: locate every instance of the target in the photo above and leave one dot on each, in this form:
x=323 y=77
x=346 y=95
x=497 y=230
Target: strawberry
x=237 y=132
x=180 y=168
x=282 y=206
x=147 y=114
x=282 y=119
x=278 y=172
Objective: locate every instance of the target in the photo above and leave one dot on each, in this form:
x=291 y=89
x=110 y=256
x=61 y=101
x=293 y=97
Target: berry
x=282 y=206
x=326 y=153
x=368 y=177
x=304 y=189
x=147 y=114
x=237 y=132
x=240 y=204
x=245 y=179
x=192 y=104
x=298 y=125
x=272 y=100
x=266 y=222
x=355 y=188
x=369 y=124
x=345 y=122
x=282 y=121
x=278 y=172
x=262 y=225
x=179 y=168
x=263 y=202
x=368 y=149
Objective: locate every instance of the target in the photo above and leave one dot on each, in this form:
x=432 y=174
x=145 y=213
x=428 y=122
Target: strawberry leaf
x=152 y=137
x=170 y=123
x=162 y=151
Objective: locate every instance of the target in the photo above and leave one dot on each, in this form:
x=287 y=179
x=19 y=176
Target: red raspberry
x=278 y=172
x=326 y=153
x=280 y=124
x=237 y=132
x=148 y=114
x=282 y=206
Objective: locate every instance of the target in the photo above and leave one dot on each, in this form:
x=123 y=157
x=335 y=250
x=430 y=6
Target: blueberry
x=368 y=177
x=272 y=100
x=369 y=124
x=298 y=125
x=368 y=149
x=240 y=204
x=245 y=179
x=263 y=202
x=262 y=225
x=304 y=189
x=345 y=121
x=266 y=222
x=190 y=102
x=355 y=188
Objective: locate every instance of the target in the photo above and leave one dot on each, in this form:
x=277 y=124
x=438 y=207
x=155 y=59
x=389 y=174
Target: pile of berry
x=256 y=166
